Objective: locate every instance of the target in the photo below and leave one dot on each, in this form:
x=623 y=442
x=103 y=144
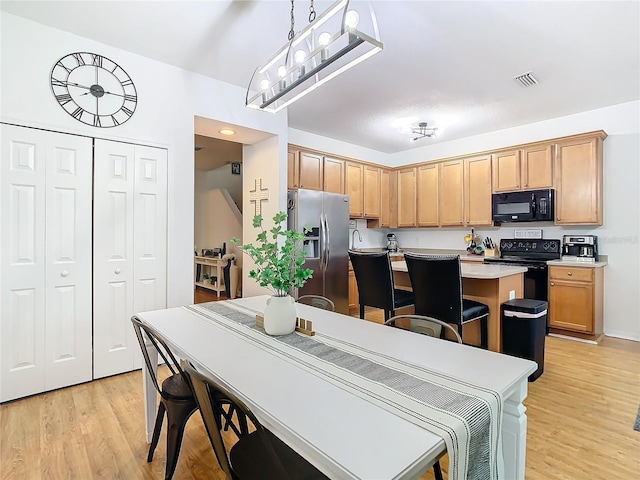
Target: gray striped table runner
x=467 y=417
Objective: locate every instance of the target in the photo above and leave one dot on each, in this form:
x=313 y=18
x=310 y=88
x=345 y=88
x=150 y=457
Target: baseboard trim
x=576 y=339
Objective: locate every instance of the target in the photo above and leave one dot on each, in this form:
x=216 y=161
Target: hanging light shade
x=328 y=46
x=423 y=130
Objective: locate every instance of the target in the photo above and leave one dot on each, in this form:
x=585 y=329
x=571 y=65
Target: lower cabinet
x=576 y=301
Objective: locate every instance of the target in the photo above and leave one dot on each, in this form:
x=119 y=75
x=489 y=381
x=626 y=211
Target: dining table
x=357 y=399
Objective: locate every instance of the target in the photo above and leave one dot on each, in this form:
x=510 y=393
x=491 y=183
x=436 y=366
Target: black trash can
x=524 y=325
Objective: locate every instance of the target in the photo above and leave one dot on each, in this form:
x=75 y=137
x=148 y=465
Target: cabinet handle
x=552 y=284
x=569 y=273
x=64 y=273
x=117 y=271
x=518 y=186
x=526 y=184
x=295 y=184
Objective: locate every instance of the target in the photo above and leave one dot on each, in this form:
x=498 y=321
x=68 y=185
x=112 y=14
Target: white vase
x=280 y=315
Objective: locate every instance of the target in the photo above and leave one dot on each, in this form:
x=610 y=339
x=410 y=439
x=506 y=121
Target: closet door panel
x=114 y=339
x=68 y=262
x=23 y=177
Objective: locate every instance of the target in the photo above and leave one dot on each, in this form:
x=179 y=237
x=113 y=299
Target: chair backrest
x=204 y=388
x=436 y=281
x=423 y=325
x=161 y=347
x=317 y=301
x=374 y=278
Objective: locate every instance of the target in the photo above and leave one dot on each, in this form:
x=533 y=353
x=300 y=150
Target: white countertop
x=573 y=263
x=470 y=270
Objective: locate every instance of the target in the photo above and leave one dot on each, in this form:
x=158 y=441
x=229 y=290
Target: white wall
x=217 y=220
x=169 y=98
x=220 y=177
x=619 y=237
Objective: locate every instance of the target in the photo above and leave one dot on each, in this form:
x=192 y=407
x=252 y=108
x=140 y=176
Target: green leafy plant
x=278 y=256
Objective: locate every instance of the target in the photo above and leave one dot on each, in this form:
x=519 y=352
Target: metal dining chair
x=375 y=283
x=176 y=399
x=317 y=301
x=436 y=281
x=260 y=455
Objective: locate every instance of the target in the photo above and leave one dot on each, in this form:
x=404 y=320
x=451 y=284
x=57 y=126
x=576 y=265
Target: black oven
x=527 y=206
x=533 y=254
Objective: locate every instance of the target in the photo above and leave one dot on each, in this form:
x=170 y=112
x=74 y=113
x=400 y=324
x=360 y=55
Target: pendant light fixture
x=328 y=46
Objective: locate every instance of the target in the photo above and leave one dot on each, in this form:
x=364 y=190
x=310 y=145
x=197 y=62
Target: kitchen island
x=488 y=284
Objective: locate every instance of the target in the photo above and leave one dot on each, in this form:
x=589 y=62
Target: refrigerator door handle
x=323 y=239
x=327 y=243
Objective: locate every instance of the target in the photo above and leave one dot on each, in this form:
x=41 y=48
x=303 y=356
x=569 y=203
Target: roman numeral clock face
x=93 y=89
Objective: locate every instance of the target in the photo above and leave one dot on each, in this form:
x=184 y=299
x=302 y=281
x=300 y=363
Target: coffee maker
x=392 y=243
x=580 y=248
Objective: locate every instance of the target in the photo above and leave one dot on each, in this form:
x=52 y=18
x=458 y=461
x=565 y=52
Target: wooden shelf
x=210 y=264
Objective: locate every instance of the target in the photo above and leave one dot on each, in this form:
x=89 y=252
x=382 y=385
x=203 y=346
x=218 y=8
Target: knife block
x=491 y=252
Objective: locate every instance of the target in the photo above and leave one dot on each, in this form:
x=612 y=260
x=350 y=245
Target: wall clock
x=93 y=89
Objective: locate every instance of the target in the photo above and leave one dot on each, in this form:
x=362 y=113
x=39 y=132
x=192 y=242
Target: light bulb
x=264 y=84
x=324 y=38
x=300 y=57
x=351 y=19
x=282 y=73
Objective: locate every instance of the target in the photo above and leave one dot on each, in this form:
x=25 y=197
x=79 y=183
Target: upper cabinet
x=354 y=173
x=310 y=168
x=407 y=197
x=385 y=198
x=523 y=169
x=292 y=168
x=428 y=178
x=333 y=175
x=371 y=192
x=451 y=194
x=578 y=180
x=477 y=191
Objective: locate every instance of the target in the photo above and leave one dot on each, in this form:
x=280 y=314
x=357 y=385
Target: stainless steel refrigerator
x=325 y=245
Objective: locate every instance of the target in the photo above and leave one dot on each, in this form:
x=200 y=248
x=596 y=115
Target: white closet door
x=42 y=348
x=68 y=325
x=113 y=339
x=150 y=232
x=130 y=210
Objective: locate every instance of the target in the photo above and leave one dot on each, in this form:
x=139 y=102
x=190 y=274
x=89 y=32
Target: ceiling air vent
x=526 y=79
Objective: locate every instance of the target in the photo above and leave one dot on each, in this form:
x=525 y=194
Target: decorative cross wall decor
x=258 y=195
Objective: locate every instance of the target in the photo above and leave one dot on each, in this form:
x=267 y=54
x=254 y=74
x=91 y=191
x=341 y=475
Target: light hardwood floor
x=581 y=413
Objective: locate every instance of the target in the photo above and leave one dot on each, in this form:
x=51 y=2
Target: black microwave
x=525 y=206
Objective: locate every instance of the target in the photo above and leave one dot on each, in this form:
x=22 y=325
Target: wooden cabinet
x=576 y=300
x=385 y=198
x=407 y=197
x=451 y=201
x=427 y=184
x=537 y=167
x=310 y=171
x=353 y=292
x=292 y=168
x=353 y=185
x=371 y=192
x=333 y=175
x=523 y=169
x=477 y=191
x=578 y=181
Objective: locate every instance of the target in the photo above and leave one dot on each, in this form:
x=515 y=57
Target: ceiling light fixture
x=331 y=44
x=227 y=131
x=422 y=131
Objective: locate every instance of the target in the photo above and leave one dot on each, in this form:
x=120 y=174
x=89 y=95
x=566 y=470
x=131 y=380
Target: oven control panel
x=530 y=246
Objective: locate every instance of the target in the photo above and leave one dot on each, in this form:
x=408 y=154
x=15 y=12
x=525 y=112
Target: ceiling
x=448 y=63
x=212 y=153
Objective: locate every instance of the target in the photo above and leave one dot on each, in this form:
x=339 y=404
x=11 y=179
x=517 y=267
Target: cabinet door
x=371 y=189
x=292 y=169
x=571 y=305
x=407 y=197
x=537 y=167
x=452 y=193
x=477 y=191
x=310 y=171
x=428 y=177
x=385 y=198
x=506 y=171
x=129 y=248
x=578 y=182
x=353 y=292
x=45 y=300
x=333 y=175
x=353 y=187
